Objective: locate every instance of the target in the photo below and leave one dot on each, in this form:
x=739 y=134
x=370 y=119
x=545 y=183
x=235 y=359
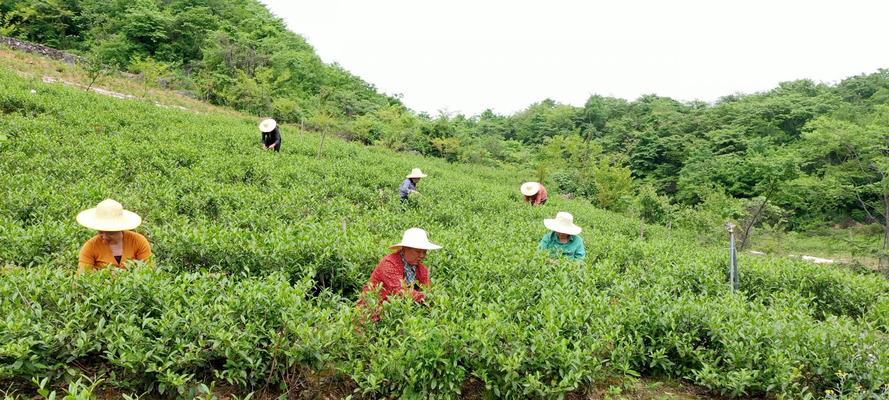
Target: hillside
x=233 y=53
x=260 y=257
x=800 y=163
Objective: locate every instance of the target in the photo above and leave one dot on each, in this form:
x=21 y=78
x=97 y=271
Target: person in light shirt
x=409 y=186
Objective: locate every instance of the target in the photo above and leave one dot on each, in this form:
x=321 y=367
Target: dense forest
x=802 y=155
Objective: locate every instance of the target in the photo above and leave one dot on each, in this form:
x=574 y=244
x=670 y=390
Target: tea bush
x=260 y=257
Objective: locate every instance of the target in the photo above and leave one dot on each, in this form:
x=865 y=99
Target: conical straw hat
x=415 y=238
x=563 y=223
x=109 y=216
x=416 y=173
x=267 y=125
x=530 y=188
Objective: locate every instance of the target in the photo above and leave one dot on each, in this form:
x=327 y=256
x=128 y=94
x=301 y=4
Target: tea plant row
x=261 y=256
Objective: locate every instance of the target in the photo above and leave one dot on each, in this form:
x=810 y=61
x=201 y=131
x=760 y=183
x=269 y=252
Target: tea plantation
x=260 y=258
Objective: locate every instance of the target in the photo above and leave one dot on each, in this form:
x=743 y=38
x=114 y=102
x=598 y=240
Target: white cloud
x=465 y=56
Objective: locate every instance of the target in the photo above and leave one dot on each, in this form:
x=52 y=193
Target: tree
x=856 y=155
x=772 y=170
x=650 y=208
x=96 y=66
x=55 y=23
x=150 y=71
x=613 y=183
x=145 y=25
x=447 y=148
x=322 y=121
x=191 y=28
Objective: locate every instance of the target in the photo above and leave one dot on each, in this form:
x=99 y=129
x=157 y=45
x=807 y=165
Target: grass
x=37 y=68
x=855 y=245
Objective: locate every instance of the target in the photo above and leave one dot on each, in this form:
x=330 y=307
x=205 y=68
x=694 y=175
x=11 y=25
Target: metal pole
x=734 y=281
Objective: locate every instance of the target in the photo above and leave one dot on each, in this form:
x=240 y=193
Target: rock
x=35 y=48
x=818 y=260
x=188 y=93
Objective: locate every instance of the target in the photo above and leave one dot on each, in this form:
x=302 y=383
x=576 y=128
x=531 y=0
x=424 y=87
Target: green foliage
x=235 y=53
x=708 y=218
x=613 y=184
x=96 y=65
x=260 y=257
x=288 y=111
x=447 y=148
x=150 y=71
x=239 y=55
x=652 y=207
x=76 y=390
x=164 y=331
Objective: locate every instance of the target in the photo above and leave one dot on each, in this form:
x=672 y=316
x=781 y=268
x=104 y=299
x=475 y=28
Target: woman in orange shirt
x=115 y=243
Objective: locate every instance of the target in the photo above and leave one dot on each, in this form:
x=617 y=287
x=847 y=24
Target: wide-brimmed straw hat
x=415 y=238
x=563 y=223
x=416 y=173
x=267 y=125
x=109 y=216
x=530 y=188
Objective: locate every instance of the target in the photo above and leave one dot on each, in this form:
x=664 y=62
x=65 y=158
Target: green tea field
x=260 y=260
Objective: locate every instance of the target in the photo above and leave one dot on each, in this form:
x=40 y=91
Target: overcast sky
x=466 y=56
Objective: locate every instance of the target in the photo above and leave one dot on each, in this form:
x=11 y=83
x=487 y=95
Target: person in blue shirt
x=563 y=239
x=409 y=185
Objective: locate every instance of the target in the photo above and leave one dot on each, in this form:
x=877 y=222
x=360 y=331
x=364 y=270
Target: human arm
x=541 y=196
x=387 y=277
x=87 y=259
x=143 y=250
x=276 y=134
x=405 y=188
x=544 y=242
x=424 y=281
x=84 y=267
x=580 y=252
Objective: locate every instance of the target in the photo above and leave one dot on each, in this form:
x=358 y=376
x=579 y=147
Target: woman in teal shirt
x=563 y=239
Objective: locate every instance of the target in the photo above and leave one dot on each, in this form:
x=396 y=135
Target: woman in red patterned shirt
x=534 y=193
x=403 y=271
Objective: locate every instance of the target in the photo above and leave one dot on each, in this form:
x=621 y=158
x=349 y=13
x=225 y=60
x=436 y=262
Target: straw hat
x=416 y=173
x=267 y=125
x=415 y=238
x=530 y=188
x=109 y=216
x=563 y=223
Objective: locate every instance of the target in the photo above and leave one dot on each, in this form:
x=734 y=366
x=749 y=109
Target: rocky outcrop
x=35 y=48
